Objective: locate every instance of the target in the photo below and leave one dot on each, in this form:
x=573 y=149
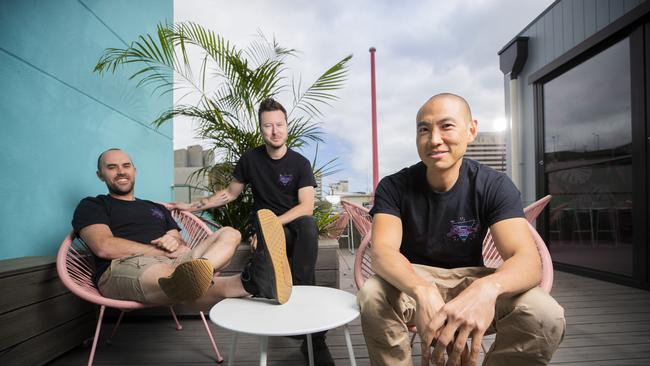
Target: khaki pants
x=121 y=281
x=529 y=327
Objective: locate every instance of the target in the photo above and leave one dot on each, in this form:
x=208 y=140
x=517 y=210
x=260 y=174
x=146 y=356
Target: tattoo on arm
x=200 y=204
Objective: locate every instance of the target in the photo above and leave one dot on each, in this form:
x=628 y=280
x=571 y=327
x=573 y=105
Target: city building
x=489 y=148
x=577 y=101
x=339 y=186
x=190 y=184
x=319 y=186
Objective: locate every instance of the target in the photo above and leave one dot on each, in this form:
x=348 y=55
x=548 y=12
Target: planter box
x=40 y=318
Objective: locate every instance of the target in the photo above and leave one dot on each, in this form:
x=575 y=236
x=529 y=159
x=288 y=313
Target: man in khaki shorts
x=429 y=221
x=141 y=256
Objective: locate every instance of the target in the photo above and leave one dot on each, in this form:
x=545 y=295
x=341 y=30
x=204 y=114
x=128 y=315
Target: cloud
x=423 y=47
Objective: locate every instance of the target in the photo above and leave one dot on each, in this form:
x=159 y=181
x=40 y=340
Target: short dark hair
x=99 y=158
x=270 y=105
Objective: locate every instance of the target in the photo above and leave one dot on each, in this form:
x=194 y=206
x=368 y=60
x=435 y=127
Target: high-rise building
x=319 y=185
x=339 y=187
x=188 y=186
x=489 y=148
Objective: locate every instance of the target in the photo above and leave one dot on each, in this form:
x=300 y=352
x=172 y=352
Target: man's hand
x=182 y=250
x=469 y=314
x=429 y=302
x=181 y=206
x=253 y=241
x=167 y=243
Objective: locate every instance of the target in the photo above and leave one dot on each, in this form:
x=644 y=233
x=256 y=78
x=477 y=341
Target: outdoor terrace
x=607 y=324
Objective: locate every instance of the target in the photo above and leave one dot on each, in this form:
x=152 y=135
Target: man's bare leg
x=219 y=247
x=223 y=288
x=150 y=286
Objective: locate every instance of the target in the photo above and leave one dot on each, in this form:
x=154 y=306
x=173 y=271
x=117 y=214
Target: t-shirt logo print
x=462 y=229
x=157 y=213
x=285 y=179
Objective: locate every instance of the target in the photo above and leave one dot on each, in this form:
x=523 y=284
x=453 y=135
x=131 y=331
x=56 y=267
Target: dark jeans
x=302 y=249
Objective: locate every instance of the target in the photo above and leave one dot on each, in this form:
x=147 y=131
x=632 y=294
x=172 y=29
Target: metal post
x=375 y=159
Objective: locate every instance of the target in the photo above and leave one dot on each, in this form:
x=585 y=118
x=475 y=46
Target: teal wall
x=56 y=115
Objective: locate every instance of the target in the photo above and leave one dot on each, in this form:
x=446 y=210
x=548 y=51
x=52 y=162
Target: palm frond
x=330 y=167
x=301 y=131
x=322 y=90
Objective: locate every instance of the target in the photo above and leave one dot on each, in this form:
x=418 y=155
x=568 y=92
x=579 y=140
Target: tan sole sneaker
x=271 y=229
x=189 y=281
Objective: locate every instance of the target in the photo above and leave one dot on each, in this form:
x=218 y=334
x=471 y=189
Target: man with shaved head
x=429 y=222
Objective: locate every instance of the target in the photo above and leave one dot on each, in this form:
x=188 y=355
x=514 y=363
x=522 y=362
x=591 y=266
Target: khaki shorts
x=121 y=281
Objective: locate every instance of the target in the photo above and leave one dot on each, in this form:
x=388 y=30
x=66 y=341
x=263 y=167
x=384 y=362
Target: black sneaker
x=269 y=267
x=322 y=355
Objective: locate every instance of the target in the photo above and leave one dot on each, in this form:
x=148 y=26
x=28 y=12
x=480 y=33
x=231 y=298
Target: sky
x=423 y=48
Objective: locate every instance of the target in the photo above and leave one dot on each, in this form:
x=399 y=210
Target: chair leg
x=214 y=344
x=97 y=329
x=178 y=325
x=119 y=321
x=413 y=338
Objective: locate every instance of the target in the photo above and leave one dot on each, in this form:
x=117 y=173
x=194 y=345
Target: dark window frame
x=636 y=26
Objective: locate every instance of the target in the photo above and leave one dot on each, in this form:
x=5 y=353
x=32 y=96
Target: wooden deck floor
x=607 y=324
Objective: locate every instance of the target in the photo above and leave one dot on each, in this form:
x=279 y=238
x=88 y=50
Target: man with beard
x=141 y=256
x=282 y=181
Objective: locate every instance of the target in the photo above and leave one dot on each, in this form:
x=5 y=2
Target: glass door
x=588 y=162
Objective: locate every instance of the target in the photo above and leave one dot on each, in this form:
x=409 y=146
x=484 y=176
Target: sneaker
x=322 y=355
x=269 y=267
x=189 y=281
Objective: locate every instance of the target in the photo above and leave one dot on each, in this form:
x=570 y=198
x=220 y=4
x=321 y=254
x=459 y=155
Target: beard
x=276 y=145
x=120 y=190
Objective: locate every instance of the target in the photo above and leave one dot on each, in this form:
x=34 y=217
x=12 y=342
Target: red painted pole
x=375 y=158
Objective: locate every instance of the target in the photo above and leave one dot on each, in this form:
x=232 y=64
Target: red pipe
x=375 y=158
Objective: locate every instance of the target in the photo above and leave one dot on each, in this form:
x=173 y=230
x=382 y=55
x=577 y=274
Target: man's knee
x=540 y=313
x=305 y=223
x=374 y=296
x=228 y=234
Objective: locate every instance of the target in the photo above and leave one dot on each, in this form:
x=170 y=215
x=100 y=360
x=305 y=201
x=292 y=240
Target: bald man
x=429 y=222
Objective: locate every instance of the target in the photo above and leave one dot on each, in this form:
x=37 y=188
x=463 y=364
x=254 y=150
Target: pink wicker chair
x=75 y=266
x=492 y=258
x=360 y=217
x=335 y=229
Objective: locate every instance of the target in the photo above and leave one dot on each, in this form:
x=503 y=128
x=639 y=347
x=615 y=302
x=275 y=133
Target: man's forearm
x=115 y=248
x=218 y=199
x=296 y=212
x=517 y=274
x=398 y=271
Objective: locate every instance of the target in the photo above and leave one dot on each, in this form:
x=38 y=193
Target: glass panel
x=587 y=154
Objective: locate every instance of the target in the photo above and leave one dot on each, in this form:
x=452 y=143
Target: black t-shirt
x=141 y=221
x=447 y=229
x=275 y=183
